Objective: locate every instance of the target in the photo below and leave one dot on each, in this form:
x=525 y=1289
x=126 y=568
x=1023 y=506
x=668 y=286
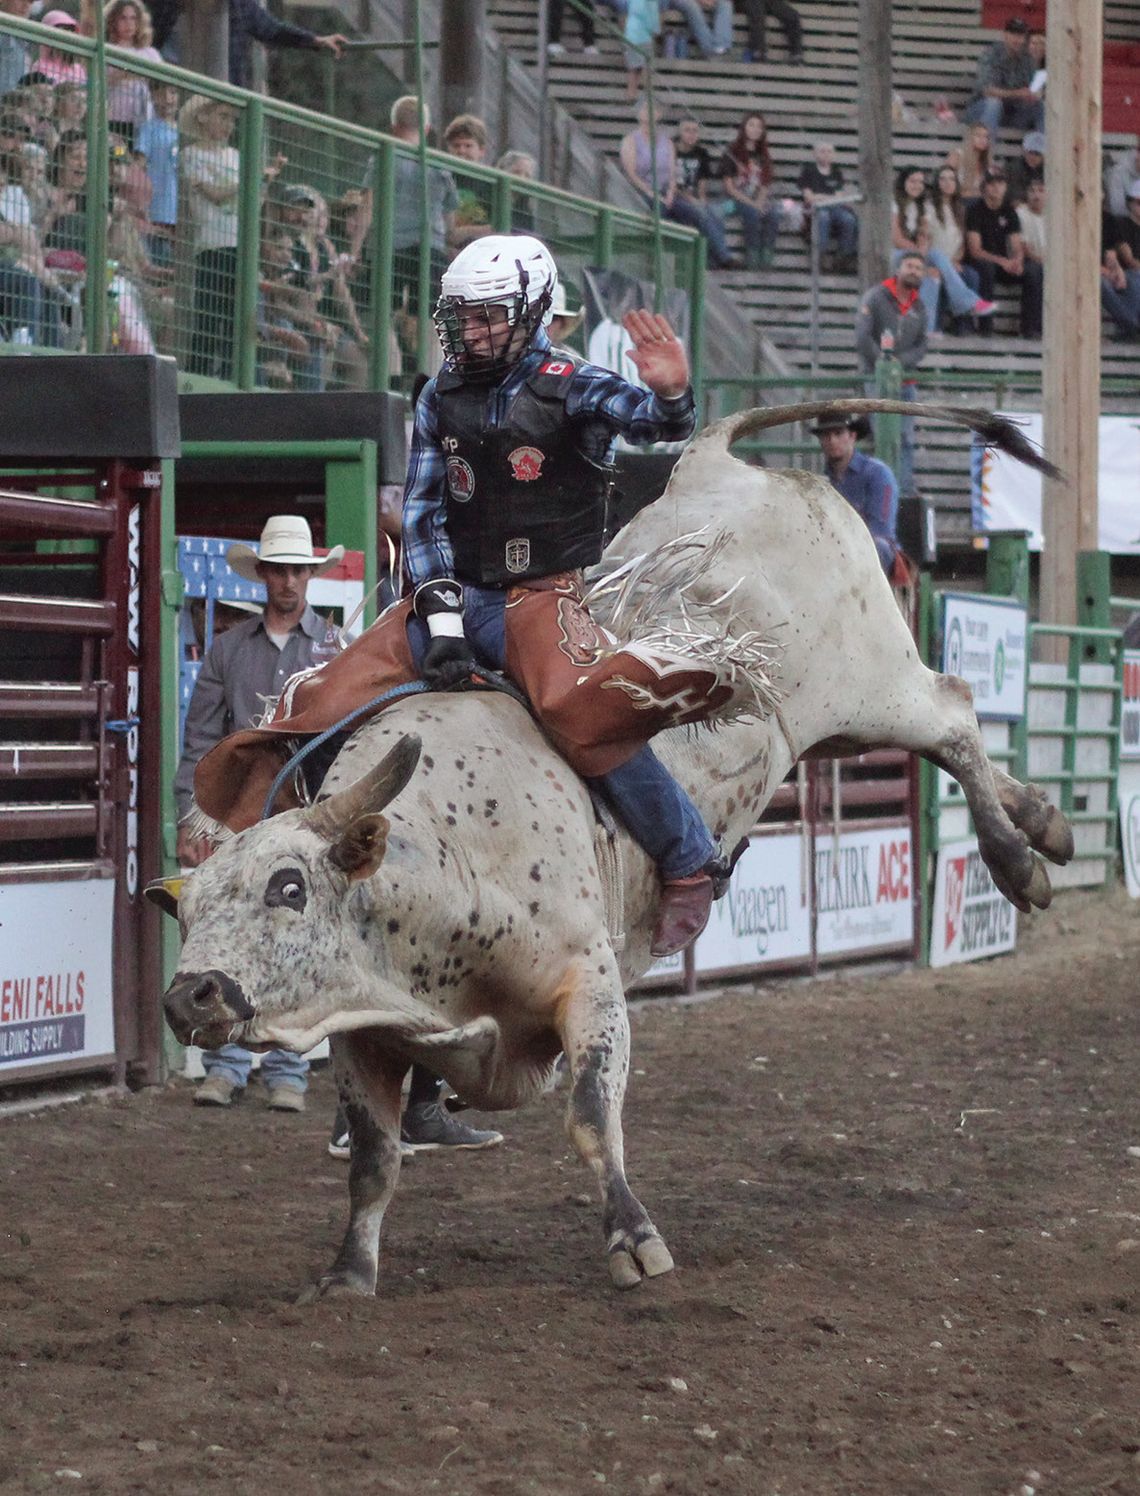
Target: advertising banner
x=765 y=917
x=55 y=973
x=1129 y=797
x=984 y=641
x=971 y=918
x=1130 y=706
x=1007 y=494
x=864 y=890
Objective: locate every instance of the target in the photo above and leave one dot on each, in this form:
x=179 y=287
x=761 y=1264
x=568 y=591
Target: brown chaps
x=598 y=704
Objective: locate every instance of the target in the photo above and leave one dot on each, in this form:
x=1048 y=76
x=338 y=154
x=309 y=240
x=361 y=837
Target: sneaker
x=984 y=308
x=285 y=1099
x=340 y=1145
x=216 y=1090
x=555 y=49
x=429 y=1125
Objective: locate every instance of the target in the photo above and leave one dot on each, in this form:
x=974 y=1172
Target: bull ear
x=165 y=893
x=368 y=795
x=360 y=848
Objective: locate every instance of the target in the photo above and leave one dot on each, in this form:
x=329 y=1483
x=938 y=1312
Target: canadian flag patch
x=557 y=366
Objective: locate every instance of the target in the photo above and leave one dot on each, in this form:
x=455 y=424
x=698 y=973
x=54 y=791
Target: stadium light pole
x=1070 y=372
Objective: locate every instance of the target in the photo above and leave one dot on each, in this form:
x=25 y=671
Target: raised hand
x=658 y=353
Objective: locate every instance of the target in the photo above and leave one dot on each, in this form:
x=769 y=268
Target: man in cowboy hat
x=867 y=484
x=563 y=322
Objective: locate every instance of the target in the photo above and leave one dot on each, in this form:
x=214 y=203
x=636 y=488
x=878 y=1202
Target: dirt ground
x=905 y=1210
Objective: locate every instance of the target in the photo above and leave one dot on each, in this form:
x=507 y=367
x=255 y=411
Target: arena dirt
x=904 y=1210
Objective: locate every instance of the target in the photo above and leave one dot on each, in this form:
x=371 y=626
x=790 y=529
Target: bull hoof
x=1056 y=840
x=630 y=1261
x=1040 y=890
x=335 y=1286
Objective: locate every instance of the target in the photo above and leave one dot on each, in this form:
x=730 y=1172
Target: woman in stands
x=651 y=165
x=336 y=331
x=972 y=161
x=210 y=169
x=747 y=169
x=127 y=24
x=911 y=234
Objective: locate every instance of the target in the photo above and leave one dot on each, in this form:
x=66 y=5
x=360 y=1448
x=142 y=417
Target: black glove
x=447 y=661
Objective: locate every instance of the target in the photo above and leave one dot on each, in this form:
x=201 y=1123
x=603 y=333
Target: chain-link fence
x=145 y=209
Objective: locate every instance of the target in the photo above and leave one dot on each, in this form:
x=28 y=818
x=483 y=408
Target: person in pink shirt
x=59 y=66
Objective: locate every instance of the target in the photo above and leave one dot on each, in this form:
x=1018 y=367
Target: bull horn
x=368 y=794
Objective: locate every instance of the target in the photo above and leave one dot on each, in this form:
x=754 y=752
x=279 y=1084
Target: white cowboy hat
x=558 y=308
x=286 y=540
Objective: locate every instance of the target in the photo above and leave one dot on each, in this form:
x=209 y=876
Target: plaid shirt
x=602 y=403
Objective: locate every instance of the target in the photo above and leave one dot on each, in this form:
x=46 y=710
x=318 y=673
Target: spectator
x=585 y=17
x=136 y=286
x=709 y=23
x=280 y=344
x=1031 y=220
x=973 y=160
x=340 y=324
x=127 y=24
x=443 y=198
x=910 y=231
x=652 y=168
x=251 y=22
x=70 y=109
x=466 y=137
x=28 y=314
x=787 y=15
x=64 y=223
x=15 y=54
x=245 y=667
x=156 y=140
x=563 y=322
x=32 y=175
x=995 y=248
x=1026 y=168
x=694 y=163
x=837 y=226
x=892 y=322
x=747 y=169
x=1002 y=95
x=210 y=170
x=1036 y=49
x=867 y=484
x=642 y=27
x=1120 y=271
x=60 y=66
x=35 y=100
x=520 y=164
x=1119 y=178
x=946 y=228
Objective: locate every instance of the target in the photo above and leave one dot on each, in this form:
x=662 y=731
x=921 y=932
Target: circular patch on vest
x=460 y=479
x=526 y=463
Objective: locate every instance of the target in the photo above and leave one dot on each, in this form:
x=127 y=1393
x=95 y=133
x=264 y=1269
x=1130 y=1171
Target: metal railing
x=260 y=244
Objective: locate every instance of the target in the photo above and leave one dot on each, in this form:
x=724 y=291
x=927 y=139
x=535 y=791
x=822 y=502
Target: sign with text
x=55 y=972
x=971 y=918
x=1128 y=789
x=1130 y=706
x=864 y=889
x=765 y=917
x=984 y=641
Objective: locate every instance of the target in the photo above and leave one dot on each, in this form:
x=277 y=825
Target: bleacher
x=935 y=48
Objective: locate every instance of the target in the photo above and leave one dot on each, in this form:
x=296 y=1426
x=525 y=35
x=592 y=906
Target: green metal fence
x=260 y=244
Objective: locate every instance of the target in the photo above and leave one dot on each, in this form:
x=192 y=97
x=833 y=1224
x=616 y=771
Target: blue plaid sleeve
x=637 y=414
x=427 y=549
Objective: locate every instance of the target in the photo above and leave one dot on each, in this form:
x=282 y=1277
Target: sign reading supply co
x=55 y=973
x=1130 y=706
x=984 y=641
x=971 y=918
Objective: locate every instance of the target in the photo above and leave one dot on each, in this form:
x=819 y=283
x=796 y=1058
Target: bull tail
x=994 y=430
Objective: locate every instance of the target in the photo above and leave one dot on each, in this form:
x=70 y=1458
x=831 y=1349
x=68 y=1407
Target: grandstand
x=935 y=49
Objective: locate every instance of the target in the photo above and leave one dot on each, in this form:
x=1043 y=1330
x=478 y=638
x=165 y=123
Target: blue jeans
x=652 y=806
x=960 y=286
x=1123 y=306
x=760 y=225
x=279 y=1067
x=1015 y=113
x=707 y=223
x=839 y=223
x=713 y=39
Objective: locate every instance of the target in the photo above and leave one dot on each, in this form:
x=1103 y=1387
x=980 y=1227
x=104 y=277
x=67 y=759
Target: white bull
x=453 y=913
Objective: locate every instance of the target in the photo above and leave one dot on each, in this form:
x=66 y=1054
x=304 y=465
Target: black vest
x=522 y=499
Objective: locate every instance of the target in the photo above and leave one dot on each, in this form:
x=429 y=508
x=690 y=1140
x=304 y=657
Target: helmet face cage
x=523 y=319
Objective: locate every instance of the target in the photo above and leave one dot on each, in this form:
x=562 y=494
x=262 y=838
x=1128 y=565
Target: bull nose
x=201 y=1000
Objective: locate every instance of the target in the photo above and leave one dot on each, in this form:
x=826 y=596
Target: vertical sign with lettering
x=971 y=918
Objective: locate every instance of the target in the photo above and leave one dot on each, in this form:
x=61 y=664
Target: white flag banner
x=1007 y=494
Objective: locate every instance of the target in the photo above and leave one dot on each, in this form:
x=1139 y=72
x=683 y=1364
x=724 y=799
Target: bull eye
x=286 y=890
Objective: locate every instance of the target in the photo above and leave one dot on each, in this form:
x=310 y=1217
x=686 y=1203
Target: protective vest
x=522 y=499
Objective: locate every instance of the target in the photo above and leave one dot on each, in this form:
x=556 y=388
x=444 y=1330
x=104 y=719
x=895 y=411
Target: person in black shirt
x=819 y=182
x=995 y=249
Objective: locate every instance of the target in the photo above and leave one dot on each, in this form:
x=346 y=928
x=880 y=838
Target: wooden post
x=462 y=26
x=875 y=140
x=1071 y=350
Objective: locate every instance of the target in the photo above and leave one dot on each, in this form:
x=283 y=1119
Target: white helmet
x=513 y=271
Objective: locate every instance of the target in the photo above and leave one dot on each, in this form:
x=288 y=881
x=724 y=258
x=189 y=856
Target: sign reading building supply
x=55 y=973
x=1128 y=794
x=971 y=918
x=1130 y=706
x=984 y=641
x=864 y=889
x=765 y=917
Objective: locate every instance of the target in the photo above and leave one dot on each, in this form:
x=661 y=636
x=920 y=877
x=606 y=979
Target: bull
x=443 y=902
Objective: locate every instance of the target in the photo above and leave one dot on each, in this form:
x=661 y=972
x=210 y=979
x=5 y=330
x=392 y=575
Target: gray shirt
x=879 y=312
x=243 y=669
x=998 y=67
x=15 y=61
